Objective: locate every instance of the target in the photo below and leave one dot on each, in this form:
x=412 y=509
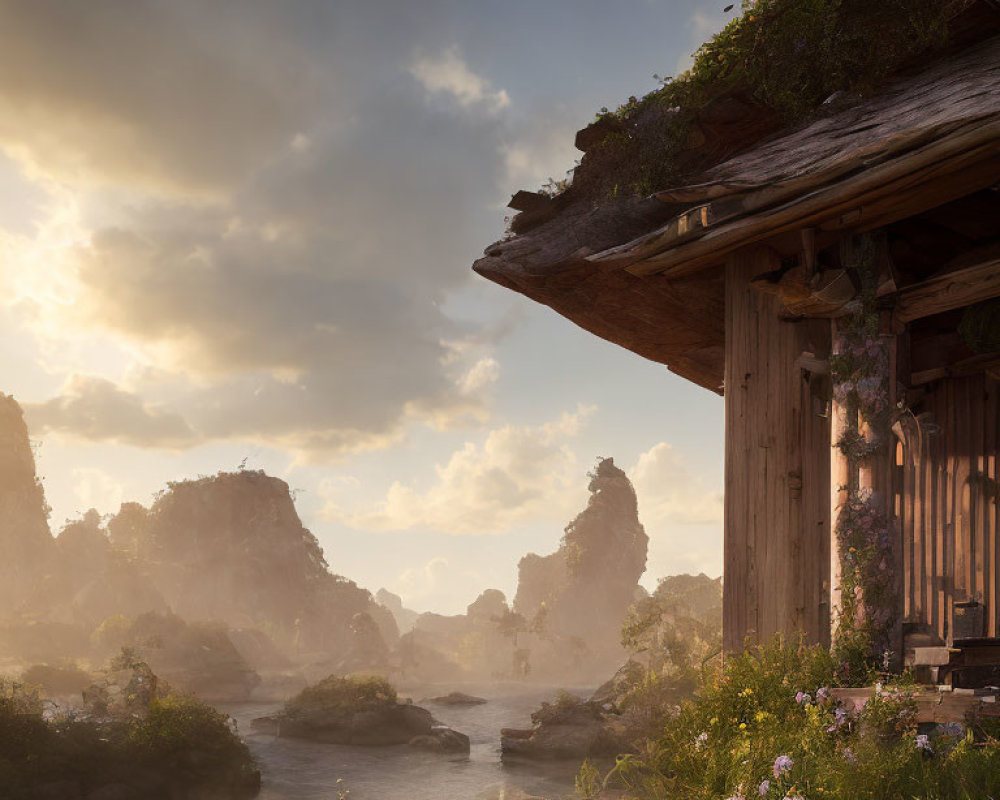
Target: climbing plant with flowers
x=860 y=369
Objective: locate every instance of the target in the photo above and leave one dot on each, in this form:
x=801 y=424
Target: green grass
x=727 y=741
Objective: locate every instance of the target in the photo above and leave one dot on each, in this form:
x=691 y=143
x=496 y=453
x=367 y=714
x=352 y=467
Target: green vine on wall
x=860 y=369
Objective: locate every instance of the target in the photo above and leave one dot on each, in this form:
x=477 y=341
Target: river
x=293 y=769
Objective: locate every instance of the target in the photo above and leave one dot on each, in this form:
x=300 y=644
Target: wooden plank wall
x=948 y=517
x=777 y=501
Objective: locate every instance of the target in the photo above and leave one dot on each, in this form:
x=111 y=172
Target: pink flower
x=782 y=764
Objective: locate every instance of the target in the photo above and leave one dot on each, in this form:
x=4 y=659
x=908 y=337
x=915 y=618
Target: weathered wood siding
x=777 y=502
x=948 y=518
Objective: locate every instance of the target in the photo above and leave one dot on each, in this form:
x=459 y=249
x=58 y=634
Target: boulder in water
x=457 y=699
x=359 y=711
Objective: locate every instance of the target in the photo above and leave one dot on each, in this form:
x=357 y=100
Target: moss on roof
x=772 y=66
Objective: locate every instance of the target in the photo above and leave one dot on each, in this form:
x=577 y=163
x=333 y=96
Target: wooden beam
x=954 y=166
x=950 y=291
x=984 y=362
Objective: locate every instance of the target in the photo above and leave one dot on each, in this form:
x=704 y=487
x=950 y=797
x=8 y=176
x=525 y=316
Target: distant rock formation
x=88 y=579
x=232 y=548
x=405 y=618
x=480 y=643
x=581 y=594
x=25 y=540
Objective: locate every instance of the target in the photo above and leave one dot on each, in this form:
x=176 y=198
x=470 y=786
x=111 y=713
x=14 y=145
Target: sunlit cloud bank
x=253 y=229
x=516 y=475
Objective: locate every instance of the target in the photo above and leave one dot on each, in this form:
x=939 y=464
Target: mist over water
x=295 y=769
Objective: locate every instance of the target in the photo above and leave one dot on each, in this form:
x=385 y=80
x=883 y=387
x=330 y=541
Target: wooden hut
x=742 y=281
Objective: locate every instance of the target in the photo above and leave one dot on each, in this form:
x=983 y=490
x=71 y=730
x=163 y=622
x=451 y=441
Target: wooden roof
x=646 y=273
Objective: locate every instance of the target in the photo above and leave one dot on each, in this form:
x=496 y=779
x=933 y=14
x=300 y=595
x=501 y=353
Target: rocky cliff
x=232 y=547
x=580 y=594
x=25 y=540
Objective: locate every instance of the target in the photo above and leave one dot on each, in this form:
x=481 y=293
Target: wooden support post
x=777 y=468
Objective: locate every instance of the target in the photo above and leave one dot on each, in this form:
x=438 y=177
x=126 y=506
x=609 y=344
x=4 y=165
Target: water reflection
x=300 y=770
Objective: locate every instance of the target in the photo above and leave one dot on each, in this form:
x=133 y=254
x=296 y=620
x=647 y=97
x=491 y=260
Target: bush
x=567 y=709
x=168 y=745
x=195 y=743
x=344 y=695
x=766 y=726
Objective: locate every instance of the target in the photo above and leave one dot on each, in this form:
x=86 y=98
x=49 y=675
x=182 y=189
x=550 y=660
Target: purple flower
x=953 y=729
x=822 y=694
x=763 y=788
x=924 y=743
x=700 y=740
x=782 y=764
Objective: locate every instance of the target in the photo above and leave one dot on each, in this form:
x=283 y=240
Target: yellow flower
x=743 y=726
x=713 y=721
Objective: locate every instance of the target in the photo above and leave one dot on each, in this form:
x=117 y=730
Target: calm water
x=299 y=770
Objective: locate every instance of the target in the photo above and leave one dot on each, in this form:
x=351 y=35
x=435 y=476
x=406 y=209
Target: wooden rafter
x=949 y=291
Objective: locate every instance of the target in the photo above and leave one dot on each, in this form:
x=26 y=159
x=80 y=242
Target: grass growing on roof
x=787 y=55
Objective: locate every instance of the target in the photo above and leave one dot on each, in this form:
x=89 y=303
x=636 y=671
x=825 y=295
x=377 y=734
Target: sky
x=241 y=234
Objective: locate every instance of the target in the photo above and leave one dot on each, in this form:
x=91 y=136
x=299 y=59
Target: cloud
x=435 y=581
x=95 y=488
x=139 y=93
x=448 y=74
x=517 y=475
x=702 y=27
x=95 y=409
x=681 y=511
x=542 y=151
x=669 y=491
x=278 y=236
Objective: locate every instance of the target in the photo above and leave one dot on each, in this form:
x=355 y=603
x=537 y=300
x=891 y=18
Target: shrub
x=567 y=709
x=344 y=694
x=767 y=727
x=193 y=742
x=168 y=745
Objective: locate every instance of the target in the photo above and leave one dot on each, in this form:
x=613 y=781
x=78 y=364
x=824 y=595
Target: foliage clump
x=785 y=56
x=767 y=725
x=131 y=734
x=344 y=695
x=860 y=370
x=567 y=709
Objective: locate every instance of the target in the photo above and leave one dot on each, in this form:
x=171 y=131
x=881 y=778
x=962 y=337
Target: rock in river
x=359 y=711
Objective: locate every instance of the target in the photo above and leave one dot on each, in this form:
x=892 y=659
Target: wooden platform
x=935 y=704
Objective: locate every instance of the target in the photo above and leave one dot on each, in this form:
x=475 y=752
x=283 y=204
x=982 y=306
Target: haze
x=240 y=235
